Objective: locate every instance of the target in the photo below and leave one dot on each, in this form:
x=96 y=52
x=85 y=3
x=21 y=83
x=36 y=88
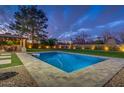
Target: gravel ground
x=20 y=77
x=117 y=80
x=23 y=79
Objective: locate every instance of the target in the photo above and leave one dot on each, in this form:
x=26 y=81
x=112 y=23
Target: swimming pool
x=66 y=61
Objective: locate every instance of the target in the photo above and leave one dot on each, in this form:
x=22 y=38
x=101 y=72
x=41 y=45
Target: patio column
x=24 y=42
x=21 y=42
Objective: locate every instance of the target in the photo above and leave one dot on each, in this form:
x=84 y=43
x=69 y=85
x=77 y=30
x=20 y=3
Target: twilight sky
x=65 y=22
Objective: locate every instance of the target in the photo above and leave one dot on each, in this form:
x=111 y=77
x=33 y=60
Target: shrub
x=10 y=43
x=3 y=42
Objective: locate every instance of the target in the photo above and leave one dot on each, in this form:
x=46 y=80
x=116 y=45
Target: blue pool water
x=66 y=61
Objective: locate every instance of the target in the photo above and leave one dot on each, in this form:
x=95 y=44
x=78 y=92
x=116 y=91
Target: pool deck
x=95 y=75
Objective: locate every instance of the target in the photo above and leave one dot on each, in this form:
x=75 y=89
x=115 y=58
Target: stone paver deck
x=117 y=80
x=94 y=75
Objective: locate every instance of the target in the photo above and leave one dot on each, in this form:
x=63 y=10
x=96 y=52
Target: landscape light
x=47 y=47
x=29 y=46
x=39 y=46
x=106 y=48
x=69 y=47
x=54 y=46
x=74 y=47
x=93 y=47
x=82 y=48
x=122 y=48
x=60 y=46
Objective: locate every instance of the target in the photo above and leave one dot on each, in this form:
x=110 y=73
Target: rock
x=6 y=75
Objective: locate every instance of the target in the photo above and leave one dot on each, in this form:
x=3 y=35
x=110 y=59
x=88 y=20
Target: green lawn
x=91 y=52
x=15 y=61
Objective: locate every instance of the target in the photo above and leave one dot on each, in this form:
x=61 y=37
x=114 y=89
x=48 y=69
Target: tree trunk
x=32 y=38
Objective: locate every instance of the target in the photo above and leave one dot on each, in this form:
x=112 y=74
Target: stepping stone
x=5 y=54
x=5 y=61
x=5 y=57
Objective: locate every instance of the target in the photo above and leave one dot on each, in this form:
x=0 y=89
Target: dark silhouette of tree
x=30 y=20
x=121 y=35
x=107 y=35
x=50 y=41
x=80 y=39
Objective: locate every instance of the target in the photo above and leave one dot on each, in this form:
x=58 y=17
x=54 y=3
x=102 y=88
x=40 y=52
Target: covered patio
x=9 y=42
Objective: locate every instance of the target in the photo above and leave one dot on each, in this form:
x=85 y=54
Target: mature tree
x=30 y=20
x=97 y=40
x=80 y=39
x=121 y=35
x=106 y=35
x=50 y=41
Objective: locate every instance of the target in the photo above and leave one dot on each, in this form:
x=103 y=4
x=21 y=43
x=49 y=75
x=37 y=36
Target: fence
x=89 y=47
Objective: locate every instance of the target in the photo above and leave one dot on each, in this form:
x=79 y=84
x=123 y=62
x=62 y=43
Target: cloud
x=112 y=24
x=84 y=30
x=116 y=23
x=95 y=31
x=68 y=35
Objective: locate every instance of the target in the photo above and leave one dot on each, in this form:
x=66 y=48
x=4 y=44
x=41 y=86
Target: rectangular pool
x=66 y=61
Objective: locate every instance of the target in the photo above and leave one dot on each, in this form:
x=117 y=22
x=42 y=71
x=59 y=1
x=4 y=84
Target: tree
x=121 y=35
x=50 y=42
x=80 y=39
x=99 y=42
x=106 y=35
x=30 y=20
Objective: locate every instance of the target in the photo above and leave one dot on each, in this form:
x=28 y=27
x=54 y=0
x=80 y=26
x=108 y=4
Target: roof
x=10 y=36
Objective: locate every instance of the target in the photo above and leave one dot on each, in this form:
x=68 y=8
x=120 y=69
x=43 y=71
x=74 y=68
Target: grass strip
x=114 y=54
x=15 y=61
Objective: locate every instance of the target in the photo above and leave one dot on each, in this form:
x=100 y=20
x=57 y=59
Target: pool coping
x=48 y=75
x=73 y=53
x=73 y=72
